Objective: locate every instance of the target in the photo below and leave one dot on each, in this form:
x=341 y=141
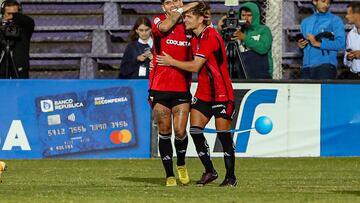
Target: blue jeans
x=323 y=71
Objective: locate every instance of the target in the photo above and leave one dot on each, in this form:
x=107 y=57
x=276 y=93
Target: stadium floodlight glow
x=231 y=2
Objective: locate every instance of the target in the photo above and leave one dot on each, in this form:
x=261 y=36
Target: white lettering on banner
x=16 y=137
x=102 y=100
x=178 y=43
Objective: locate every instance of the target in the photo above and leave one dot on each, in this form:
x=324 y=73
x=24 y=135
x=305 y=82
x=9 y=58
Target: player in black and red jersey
x=214 y=95
x=170 y=87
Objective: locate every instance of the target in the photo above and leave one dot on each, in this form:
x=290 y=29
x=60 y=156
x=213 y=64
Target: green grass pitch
x=142 y=180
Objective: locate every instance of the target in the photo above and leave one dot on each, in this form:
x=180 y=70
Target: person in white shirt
x=352 y=54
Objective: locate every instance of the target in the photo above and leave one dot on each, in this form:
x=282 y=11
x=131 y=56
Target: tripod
x=234 y=54
x=8 y=56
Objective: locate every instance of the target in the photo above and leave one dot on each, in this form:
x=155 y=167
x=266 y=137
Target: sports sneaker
x=183 y=174
x=170 y=181
x=229 y=182
x=207 y=178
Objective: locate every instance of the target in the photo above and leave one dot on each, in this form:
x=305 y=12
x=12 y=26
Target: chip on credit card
x=92 y=120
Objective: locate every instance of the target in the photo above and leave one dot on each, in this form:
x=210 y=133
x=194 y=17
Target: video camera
x=10 y=30
x=231 y=24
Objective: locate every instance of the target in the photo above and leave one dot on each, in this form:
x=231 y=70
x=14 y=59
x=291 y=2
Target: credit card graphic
x=75 y=122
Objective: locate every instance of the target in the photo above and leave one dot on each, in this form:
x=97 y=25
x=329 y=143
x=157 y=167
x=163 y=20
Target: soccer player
x=170 y=87
x=214 y=95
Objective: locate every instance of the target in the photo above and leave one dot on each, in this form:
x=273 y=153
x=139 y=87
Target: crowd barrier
x=83 y=119
x=71 y=119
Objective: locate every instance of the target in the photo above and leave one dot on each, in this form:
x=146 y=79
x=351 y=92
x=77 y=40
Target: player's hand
x=141 y=57
x=353 y=55
x=164 y=60
x=221 y=23
x=238 y=35
x=189 y=6
x=313 y=41
x=302 y=43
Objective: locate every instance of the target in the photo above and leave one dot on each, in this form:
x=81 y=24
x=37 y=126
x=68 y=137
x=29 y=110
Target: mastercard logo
x=120 y=136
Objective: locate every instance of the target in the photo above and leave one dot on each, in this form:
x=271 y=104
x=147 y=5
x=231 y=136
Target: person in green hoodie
x=254 y=41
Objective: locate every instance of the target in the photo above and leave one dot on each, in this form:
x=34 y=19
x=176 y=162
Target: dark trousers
x=323 y=71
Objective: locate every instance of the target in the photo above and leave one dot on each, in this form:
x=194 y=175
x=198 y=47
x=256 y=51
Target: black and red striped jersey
x=177 y=44
x=214 y=83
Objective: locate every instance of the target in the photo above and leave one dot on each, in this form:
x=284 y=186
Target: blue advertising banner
x=74 y=119
x=340 y=120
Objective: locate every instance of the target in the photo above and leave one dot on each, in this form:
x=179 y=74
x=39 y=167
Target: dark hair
x=245 y=9
x=202 y=9
x=355 y=6
x=7 y=3
x=331 y=1
x=142 y=20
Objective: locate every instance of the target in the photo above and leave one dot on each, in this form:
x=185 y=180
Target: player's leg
x=223 y=118
x=199 y=117
x=162 y=116
x=180 y=117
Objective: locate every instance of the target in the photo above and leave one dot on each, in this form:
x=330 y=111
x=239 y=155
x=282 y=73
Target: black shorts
x=224 y=110
x=168 y=99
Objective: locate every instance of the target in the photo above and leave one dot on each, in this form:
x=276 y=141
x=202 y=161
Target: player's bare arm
x=174 y=17
x=191 y=66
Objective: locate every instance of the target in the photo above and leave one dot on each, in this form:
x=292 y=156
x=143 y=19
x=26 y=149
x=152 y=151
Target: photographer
x=323 y=35
x=254 y=41
x=15 y=33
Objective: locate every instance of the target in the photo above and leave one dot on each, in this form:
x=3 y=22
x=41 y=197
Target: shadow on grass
x=350 y=192
x=153 y=181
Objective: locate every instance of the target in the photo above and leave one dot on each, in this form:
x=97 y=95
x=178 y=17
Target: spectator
x=323 y=35
x=16 y=33
x=138 y=53
x=255 y=42
x=352 y=54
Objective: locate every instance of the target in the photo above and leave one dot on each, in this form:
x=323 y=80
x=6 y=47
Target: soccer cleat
x=207 y=178
x=183 y=174
x=170 y=181
x=229 y=182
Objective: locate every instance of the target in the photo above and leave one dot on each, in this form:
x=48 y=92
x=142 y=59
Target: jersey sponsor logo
x=178 y=43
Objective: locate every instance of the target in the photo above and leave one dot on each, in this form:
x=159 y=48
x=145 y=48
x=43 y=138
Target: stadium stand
x=86 y=38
